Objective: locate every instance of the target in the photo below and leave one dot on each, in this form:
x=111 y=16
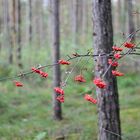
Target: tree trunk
x=118 y=13
x=131 y=25
x=108 y=102
x=56 y=56
x=1 y=26
x=137 y=18
x=7 y=32
x=84 y=21
x=14 y=22
x=19 y=36
x=75 y=21
x=30 y=20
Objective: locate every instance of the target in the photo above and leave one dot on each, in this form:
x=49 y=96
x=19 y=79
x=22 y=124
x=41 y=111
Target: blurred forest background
x=26 y=41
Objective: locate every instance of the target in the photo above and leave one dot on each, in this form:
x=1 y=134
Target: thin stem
x=71 y=72
x=113 y=133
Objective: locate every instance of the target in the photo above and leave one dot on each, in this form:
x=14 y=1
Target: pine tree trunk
x=19 y=36
x=84 y=21
x=75 y=22
x=1 y=26
x=56 y=57
x=108 y=102
x=14 y=23
x=137 y=18
x=131 y=25
x=7 y=32
x=117 y=20
x=30 y=20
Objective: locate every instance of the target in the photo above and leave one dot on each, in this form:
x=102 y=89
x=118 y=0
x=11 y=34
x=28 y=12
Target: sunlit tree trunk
x=56 y=57
x=108 y=102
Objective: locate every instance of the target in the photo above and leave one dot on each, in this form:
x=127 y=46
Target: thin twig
x=130 y=35
x=65 y=82
x=113 y=133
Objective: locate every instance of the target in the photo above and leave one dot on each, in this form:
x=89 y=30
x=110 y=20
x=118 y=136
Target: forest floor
x=26 y=113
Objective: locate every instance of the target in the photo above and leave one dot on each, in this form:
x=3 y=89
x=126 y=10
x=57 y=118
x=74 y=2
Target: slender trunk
x=0 y=33
x=14 y=22
x=131 y=25
x=56 y=56
x=19 y=36
x=84 y=22
x=41 y=31
x=1 y=30
x=108 y=102
x=75 y=21
x=124 y=18
x=118 y=17
x=30 y=20
x=7 y=32
x=10 y=31
x=137 y=18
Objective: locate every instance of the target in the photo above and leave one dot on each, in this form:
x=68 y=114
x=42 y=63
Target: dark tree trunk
x=131 y=25
x=108 y=102
x=19 y=36
x=56 y=56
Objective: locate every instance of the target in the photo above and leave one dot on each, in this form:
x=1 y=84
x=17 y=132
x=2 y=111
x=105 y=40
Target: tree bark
x=75 y=22
x=14 y=22
x=56 y=57
x=7 y=30
x=1 y=26
x=131 y=25
x=84 y=21
x=30 y=20
x=19 y=36
x=118 y=14
x=108 y=102
x=137 y=18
